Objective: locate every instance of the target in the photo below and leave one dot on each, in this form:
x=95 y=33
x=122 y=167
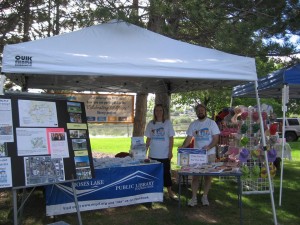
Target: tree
x=248 y=28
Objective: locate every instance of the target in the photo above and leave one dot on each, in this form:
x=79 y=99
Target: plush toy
x=273 y=128
x=255 y=172
x=264 y=172
x=238 y=110
x=244 y=115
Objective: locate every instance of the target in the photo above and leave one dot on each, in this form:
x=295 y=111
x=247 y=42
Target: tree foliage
x=257 y=29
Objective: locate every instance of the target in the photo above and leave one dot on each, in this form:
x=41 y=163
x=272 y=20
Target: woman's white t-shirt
x=202 y=131
x=159 y=133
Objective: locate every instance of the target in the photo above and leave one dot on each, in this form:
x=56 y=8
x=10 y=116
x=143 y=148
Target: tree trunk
x=140 y=115
x=141 y=98
x=26 y=18
x=57 y=16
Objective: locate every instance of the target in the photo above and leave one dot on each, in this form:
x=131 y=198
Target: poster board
x=45 y=139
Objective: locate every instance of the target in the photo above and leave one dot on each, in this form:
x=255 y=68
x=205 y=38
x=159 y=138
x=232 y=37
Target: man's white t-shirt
x=202 y=131
x=159 y=133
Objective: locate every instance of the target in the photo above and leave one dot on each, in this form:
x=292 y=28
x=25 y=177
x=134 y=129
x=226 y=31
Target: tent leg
x=284 y=101
x=265 y=153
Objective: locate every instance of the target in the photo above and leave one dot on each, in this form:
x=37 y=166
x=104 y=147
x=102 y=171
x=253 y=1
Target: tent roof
x=121 y=57
x=272 y=84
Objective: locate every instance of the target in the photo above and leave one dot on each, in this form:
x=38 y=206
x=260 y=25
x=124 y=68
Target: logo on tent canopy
x=23 y=60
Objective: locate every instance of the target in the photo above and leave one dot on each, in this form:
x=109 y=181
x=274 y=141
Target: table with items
x=219 y=169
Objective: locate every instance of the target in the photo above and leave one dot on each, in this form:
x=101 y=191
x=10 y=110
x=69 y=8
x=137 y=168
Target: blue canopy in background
x=272 y=84
x=278 y=84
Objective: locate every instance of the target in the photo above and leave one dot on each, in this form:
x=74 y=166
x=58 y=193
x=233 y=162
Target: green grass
x=257 y=208
x=223 y=209
x=115 y=145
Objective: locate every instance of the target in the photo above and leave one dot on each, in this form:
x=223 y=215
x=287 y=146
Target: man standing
x=205 y=132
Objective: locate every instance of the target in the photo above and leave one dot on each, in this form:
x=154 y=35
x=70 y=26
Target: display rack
x=240 y=140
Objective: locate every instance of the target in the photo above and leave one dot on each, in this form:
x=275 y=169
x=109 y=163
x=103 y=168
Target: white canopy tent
x=121 y=57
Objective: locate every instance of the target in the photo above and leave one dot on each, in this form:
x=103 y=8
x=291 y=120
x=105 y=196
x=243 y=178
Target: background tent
x=121 y=57
x=283 y=83
x=271 y=85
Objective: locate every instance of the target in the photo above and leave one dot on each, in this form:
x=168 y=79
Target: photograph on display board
x=43 y=169
x=83 y=173
x=74 y=107
x=78 y=134
x=79 y=144
x=82 y=161
x=91 y=118
x=3 y=149
x=75 y=118
x=101 y=119
x=6 y=133
x=58 y=136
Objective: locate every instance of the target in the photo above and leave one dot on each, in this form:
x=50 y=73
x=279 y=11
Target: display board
x=44 y=139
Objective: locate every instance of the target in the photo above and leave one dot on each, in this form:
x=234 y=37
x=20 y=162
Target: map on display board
x=46 y=137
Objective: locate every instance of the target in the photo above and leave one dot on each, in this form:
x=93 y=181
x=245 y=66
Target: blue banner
x=112 y=187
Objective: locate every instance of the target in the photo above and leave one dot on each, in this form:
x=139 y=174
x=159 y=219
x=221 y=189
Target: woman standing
x=160 y=138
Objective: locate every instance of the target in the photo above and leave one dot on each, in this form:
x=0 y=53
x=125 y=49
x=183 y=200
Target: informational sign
x=104 y=108
x=111 y=187
x=190 y=156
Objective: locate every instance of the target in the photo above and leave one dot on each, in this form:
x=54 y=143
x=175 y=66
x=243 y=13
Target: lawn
x=223 y=209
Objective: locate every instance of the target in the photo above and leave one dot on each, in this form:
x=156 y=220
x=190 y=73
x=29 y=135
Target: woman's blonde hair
x=154 y=116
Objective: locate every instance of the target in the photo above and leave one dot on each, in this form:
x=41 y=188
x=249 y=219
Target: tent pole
x=284 y=109
x=265 y=151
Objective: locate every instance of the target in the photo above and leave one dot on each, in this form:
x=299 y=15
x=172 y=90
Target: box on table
x=189 y=156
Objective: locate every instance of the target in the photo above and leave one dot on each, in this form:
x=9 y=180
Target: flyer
x=6 y=122
x=5 y=172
